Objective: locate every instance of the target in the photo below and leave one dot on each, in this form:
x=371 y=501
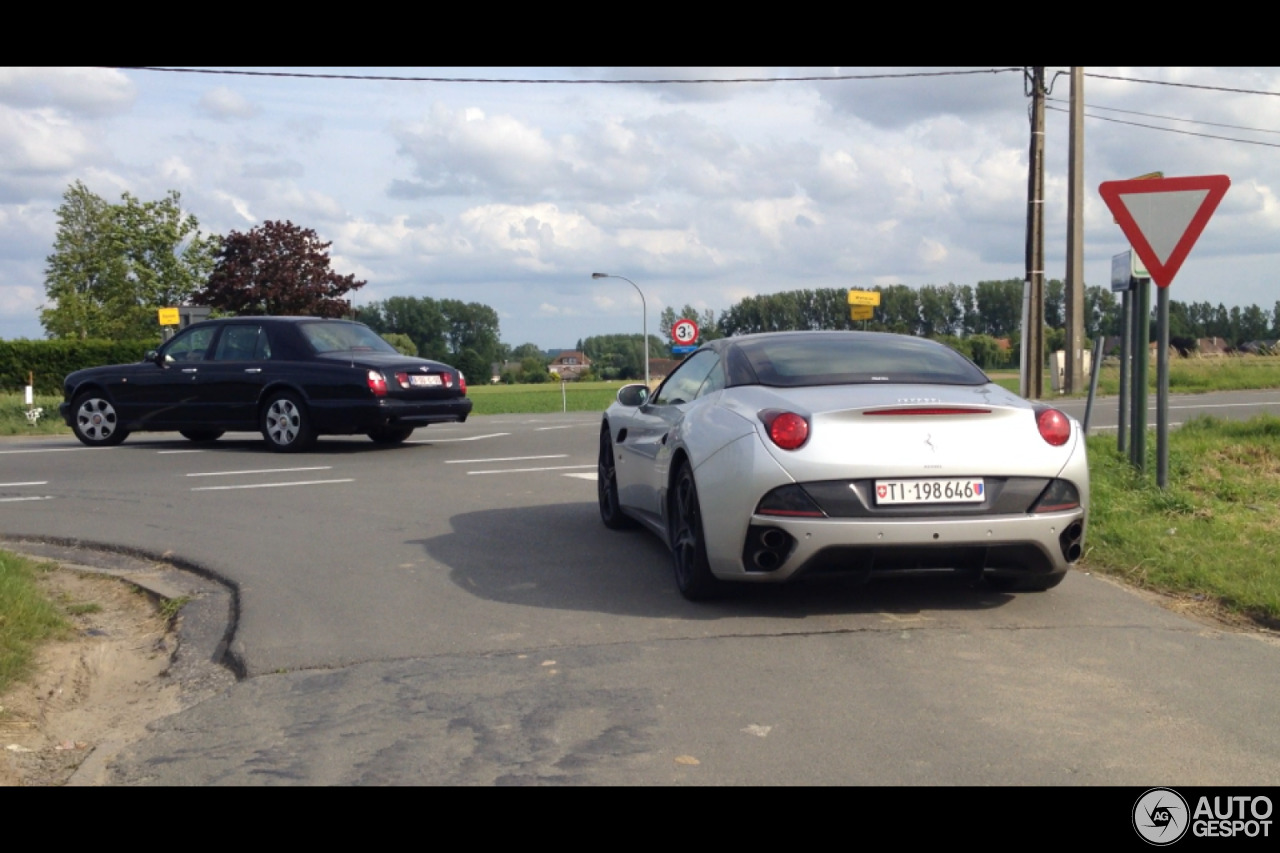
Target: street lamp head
x=599 y=275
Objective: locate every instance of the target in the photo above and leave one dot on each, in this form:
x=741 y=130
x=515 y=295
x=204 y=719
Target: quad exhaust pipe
x=767 y=548
x=1070 y=541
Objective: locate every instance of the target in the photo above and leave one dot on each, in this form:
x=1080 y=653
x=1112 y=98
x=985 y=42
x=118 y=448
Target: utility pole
x=1075 y=372
x=1033 y=325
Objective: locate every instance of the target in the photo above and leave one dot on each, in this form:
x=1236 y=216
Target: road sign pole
x=1162 y=389
x=1141 y=358
x=1126 y=321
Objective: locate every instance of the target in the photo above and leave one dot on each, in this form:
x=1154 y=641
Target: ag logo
x=1161 y=816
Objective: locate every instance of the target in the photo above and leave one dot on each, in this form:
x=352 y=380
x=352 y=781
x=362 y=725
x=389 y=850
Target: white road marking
x=12 y=500
x=260 y=471
x=444 y=440
x=179 y=451
x=32 y=483
x=55 y=449
x=522 y=470
x=502 y=459
x=1224 y=405
x=566 y=426
x=588 y=476
x=268 y=485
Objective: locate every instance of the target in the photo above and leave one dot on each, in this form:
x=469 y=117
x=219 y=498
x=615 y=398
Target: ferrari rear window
x=843 y=359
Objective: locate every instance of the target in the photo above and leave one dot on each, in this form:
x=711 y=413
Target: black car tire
x=1030 y=583
x=201 y=434
x=286 y=424
x=607 y=486
x=390 y=435
x=688 y=547
x=95 y=422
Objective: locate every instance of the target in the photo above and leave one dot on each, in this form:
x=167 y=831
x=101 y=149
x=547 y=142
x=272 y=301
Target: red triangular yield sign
x=1163 y=217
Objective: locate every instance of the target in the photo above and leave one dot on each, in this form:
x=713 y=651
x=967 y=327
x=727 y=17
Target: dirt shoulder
x=128 y=663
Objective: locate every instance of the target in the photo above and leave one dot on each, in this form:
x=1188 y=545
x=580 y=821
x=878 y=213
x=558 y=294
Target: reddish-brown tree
x=277 y=268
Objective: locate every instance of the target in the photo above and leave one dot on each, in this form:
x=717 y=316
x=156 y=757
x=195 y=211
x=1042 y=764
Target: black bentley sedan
x=292 y=378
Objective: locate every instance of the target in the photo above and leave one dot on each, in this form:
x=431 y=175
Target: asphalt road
x=453 y=612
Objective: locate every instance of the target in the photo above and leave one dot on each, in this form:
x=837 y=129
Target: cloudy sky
x=454 y=185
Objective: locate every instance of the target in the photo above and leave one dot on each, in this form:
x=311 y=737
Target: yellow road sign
x=864 y=297
x=168 y=316
x=861 y=312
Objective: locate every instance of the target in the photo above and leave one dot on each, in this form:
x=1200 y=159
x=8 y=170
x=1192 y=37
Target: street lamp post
x=645 y=323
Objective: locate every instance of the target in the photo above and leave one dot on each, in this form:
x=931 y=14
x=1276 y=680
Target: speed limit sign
x=684 y=331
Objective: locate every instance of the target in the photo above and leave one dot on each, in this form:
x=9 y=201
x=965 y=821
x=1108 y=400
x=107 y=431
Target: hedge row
x=46 y=362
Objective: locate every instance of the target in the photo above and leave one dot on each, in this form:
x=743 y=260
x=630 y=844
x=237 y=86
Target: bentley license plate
x=429 y=379
x=942 y=491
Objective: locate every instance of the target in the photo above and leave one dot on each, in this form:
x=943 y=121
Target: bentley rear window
x=344 y=337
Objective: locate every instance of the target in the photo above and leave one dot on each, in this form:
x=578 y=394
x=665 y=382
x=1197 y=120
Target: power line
x=564 y=81
x=1171 y=118
x=1174 y=130
x=1183 y=85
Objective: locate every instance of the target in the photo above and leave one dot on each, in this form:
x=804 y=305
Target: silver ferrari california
x=768 y=457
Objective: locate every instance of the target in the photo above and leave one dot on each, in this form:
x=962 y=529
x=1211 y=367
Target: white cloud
x=223 y=104
x=43 y=140
x=82 y=92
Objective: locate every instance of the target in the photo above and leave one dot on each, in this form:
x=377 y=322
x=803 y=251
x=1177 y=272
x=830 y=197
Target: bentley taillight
x=377 y=383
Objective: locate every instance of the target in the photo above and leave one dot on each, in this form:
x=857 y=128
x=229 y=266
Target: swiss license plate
x=420 y=381
x=941 y=491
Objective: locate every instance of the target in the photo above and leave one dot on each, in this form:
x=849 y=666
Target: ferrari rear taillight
x=1060 y=496
x=377 y=383
x=786 y=429
x=1055 y=427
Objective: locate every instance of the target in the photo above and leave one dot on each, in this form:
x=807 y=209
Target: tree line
x=114 y=264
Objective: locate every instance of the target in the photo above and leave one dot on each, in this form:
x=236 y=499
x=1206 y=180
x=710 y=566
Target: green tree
x=419 y=318
x=999 y=306
x=277 y=268
x=620 y=356
x=403 y=343
x=114 y=265
x=528 y=350
x=533 y=369
x=705 y=320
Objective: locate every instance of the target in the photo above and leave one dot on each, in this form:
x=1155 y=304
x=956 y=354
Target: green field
x=540 y=399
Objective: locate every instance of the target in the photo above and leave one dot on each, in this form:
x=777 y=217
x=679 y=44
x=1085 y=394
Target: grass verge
x=27 y=617
x=1213 y=534
x=13 y=416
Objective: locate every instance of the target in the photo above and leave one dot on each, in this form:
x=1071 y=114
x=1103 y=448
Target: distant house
x=570 y=364
x=1212 y=347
